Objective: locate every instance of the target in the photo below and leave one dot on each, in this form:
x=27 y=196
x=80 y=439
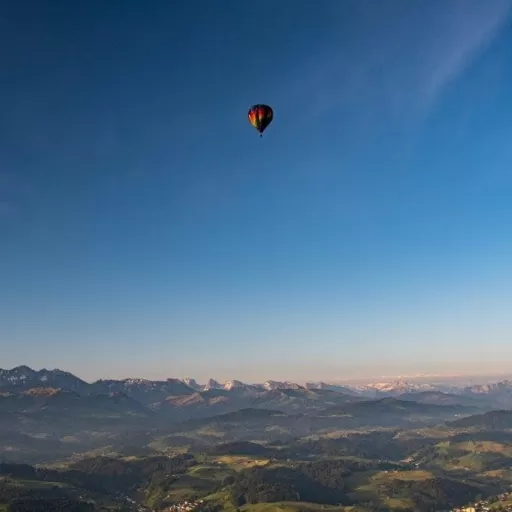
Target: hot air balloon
x=260 y=116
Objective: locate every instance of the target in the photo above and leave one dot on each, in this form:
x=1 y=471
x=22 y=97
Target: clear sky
x=146 y=230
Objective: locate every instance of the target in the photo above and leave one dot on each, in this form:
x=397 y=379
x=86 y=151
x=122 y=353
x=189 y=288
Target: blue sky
x=146 y=230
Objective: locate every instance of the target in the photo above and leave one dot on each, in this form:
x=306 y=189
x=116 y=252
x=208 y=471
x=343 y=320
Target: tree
x=229 y=480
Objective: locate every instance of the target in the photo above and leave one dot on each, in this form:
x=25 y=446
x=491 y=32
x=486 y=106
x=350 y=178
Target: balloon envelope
x=260 y=116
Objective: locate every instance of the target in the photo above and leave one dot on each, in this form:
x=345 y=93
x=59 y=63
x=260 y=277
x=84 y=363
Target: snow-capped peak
x=271 y=385
x=234 y=384
x=398 y=386
x=192 y=383
x=212 y=384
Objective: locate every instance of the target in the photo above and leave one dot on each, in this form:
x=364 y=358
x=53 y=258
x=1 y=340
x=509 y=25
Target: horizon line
x=381 y=379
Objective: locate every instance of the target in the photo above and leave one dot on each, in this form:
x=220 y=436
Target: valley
x=174 y=445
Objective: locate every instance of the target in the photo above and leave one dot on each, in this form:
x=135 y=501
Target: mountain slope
x=144 y=391
x=497 y=388
x=54 y=410
x=271 y=385
x=493 y=420
x=200 y=404
x=394 y=389
x=249 y=424
x=192 y=383
x=387 y=411
x=332 y=387
x=23 y=378
x=496 y=395
x=440 y=398
x=300 y=400
x=212 y=384
x=390 y=405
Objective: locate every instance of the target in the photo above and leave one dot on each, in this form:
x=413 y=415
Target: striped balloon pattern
x=260 y=116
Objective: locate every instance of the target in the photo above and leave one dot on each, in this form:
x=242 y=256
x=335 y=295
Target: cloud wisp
x=401 y=57
x=468 y=30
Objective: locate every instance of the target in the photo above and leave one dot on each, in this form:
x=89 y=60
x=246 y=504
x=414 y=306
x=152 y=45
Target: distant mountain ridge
x=188 y=391
x=23 y=377
x=52 y=414
x=271 y=385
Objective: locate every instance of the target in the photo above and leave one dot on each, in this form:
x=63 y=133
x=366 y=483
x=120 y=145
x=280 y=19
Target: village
x=501 y=502
x=185 y=506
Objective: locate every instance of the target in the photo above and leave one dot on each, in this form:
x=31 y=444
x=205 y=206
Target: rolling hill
x=440 y=398
x=393 y=406
x=492 y=420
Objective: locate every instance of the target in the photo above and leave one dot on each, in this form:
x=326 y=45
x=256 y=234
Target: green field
x=393 y=469
x=240 y=462
x=69 y=491
x=291 y=507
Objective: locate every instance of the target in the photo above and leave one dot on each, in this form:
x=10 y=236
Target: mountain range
x=23 y=378
x=25 y=391
x=47 y=414
x=185 y=399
